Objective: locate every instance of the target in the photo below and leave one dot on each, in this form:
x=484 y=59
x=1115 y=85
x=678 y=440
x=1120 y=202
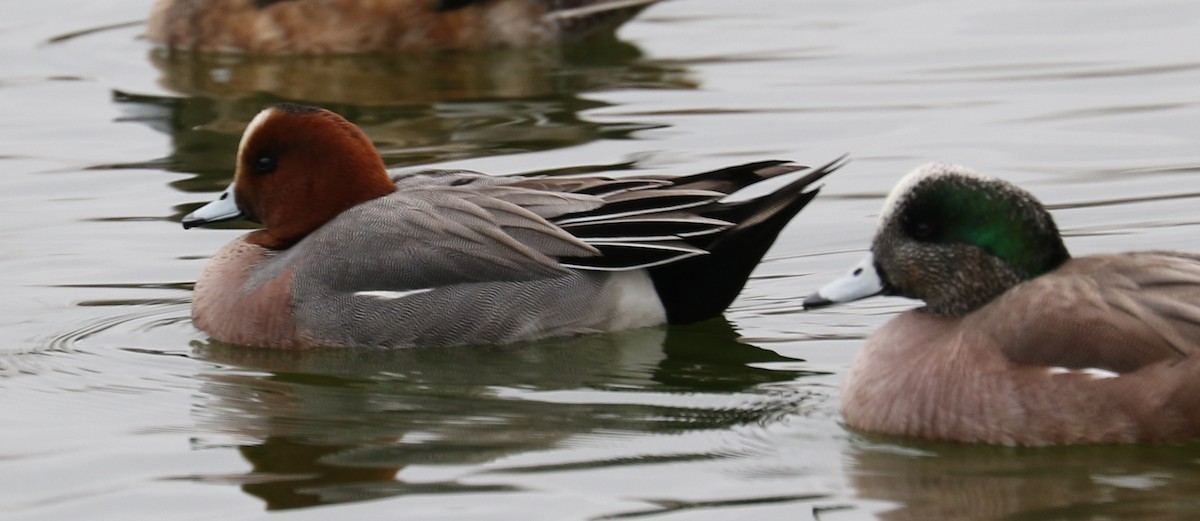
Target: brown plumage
x=356 y=26
x=1098 y=349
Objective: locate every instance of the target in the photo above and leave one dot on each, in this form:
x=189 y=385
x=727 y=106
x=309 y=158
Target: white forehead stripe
x=910 y=180
x=251 y=129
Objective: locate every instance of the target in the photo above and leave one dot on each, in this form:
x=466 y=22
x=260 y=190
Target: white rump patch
x=391 y=295
x=1093 y=372
x=635 y=302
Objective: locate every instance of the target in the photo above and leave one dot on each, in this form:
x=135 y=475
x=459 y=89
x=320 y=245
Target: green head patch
x=1000 y=218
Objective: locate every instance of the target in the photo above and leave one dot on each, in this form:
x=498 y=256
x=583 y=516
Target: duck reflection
x=417 y=107
x=971 y=482
x=372 y=80
x=329 y=426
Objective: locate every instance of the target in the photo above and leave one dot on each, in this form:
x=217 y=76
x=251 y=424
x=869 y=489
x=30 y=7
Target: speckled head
x=954 y=239
x=957 y=239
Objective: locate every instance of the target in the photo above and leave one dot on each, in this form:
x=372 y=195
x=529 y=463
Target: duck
x=1018 y=342
x=350 y=255
x=323 y=27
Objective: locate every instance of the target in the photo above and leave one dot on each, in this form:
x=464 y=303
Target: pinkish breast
x=230 y=311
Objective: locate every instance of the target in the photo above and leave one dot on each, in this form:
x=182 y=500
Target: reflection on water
x=409 y=78
x=110 y=413
x=417 y=108
x=330 y=426
x=964 y=482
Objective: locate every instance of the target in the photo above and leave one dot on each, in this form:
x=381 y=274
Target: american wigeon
x=355 y=26
x=1018 y=342
x=349 y=256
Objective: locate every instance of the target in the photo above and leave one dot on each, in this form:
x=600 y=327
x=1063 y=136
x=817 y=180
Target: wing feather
x=1112 y=312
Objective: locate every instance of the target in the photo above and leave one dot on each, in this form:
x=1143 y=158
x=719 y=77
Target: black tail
x=702 y=287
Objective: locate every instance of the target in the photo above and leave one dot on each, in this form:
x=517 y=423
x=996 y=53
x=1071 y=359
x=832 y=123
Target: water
x=114 y=407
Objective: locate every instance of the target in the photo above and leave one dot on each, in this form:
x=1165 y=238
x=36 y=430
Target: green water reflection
x=417 y=108
x=969 y=482
x=330 y=426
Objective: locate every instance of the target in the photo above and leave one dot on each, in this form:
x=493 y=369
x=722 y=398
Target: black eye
x=265 y=164
x=921 y=230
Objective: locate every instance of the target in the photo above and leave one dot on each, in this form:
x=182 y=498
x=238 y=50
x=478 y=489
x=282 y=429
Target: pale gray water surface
x=114 y=407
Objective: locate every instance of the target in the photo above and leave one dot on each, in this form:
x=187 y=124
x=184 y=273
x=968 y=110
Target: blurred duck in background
x=363 y=26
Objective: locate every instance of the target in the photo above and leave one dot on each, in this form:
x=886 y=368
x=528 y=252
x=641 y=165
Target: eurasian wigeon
x=355 y=26
x=349 y=256
x=1018 y=343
